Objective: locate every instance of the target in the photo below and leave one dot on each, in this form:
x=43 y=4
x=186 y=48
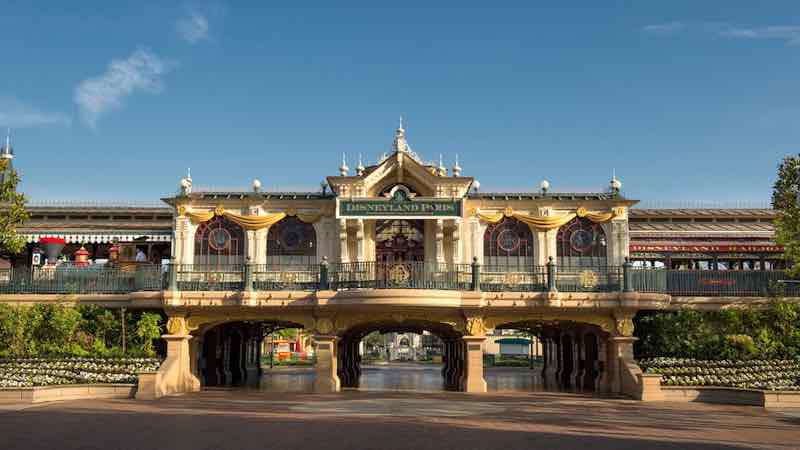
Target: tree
x=14 y=214
x=785 y=196
x=148 y=328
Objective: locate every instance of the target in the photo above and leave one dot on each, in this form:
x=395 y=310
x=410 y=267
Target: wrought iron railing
x=107 y=279
x=404 y=275
x=207 y=277
x=499 y=278
x=274 y=277
x=589 y=278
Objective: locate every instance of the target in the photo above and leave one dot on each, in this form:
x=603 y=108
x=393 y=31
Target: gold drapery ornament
x=247 y=222
x=545 y=223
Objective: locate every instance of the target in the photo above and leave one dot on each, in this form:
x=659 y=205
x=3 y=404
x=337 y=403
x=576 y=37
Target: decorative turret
x=186 y=183
x=442 y=170
x=360 y=168
x=615 y=184
x=343 y=169
x=456 y=168
x=6 y=154
x=6 y=151
x=400 y=143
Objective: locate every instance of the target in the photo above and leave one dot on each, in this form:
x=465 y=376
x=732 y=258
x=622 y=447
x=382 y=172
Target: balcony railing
x=70 y=279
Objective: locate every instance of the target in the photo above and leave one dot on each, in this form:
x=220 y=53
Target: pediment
x=404 y=169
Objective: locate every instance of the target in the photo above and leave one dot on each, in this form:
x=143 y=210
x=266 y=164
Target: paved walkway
x=232 y=419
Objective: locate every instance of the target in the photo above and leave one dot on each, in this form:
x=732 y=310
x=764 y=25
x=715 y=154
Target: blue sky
x=687 y=101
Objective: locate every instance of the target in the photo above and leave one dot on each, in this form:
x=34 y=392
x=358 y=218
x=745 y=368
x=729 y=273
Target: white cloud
x=193 y=27
x=16 y=114
x=788 y=33
x=141 y=71
x=664 y=28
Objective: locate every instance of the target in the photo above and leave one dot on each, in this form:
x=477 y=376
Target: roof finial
x=456 y=168
x=343 y=169
x=360 y=167
x=6 y=152
x=188 y=173
x=401 y=123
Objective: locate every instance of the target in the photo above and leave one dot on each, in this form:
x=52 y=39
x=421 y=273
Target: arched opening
x=291 y=242
x=581 y=243
x=567 y=356
x=399 y=240
x=508 y=246
x=413 y=355
x=232 y=353
x=219 y=243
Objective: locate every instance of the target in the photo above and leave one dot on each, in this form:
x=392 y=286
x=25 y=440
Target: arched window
x=291 y=242
x=581 y=243
x=399 y=240
x=219 y=242
x=508 y=243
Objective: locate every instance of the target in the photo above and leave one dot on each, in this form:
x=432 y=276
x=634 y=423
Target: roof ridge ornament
x=400 y=143
x=456 y=168
x=343 y=169
x=6 y=151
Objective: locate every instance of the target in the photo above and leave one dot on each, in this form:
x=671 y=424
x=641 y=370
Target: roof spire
x=456 y=168
x=6 y=152
x=360 y=167
x=400 y=143
x=343 y=169
x=401 y=123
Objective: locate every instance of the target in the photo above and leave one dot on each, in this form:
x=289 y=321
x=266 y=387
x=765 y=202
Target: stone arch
x=352 y=330
x=572 y=347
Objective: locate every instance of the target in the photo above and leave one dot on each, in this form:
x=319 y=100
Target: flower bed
x=783 y=375
x=29 y=372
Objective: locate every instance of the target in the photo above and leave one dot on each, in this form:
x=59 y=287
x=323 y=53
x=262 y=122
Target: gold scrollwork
x=177 y=326
x=624 y=326
x=475 y=327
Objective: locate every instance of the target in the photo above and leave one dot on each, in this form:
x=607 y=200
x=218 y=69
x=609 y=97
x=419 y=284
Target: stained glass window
x=581 y=243
x=292 y=242
x=219 y=242
x=508 y=243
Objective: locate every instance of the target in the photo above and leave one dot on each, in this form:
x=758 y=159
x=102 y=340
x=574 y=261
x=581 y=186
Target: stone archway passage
x=230 y=353
x=454 y=349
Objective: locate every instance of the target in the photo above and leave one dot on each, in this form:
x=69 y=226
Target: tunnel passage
x=230 y=353
x=453 y=349
x=573 y=353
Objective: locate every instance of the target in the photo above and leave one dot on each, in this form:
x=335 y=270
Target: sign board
x=400 y=205
x=707 y=248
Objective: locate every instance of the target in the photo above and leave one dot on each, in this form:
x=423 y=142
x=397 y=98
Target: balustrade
x=72 y=279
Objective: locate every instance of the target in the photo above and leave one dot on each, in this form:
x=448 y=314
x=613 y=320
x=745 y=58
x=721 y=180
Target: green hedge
x=85 y=330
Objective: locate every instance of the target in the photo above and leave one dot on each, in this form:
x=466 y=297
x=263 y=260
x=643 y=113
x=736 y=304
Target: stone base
x=40 y=394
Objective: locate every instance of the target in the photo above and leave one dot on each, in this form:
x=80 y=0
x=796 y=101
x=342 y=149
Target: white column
x=457 y=242
x=477 y=230
x=360 y=241
x=259 y=255
x=343 y=253
x=184 y=241
x=439 y=240
x=324 y=238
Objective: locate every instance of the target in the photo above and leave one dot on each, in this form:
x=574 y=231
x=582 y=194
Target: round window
x=508 y=240
x=219 y=239
x=581 y=240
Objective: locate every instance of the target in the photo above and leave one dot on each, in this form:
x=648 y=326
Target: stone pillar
x=457 y=243
x=327 y=379
x=473 y=359
x=344 y=256
x=477 y=229
x=360 y=244
x=439 y=241
x=174 y=376
x=619 y=351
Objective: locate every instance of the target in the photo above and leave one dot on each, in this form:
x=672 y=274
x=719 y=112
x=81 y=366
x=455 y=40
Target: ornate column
x=473 y=364
x=360 y=240
x=439 y=240
x=183 y=240
x=457 y=242
x=476 y=230
x=343 y=253
x=174 y=376
x=327 y=379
